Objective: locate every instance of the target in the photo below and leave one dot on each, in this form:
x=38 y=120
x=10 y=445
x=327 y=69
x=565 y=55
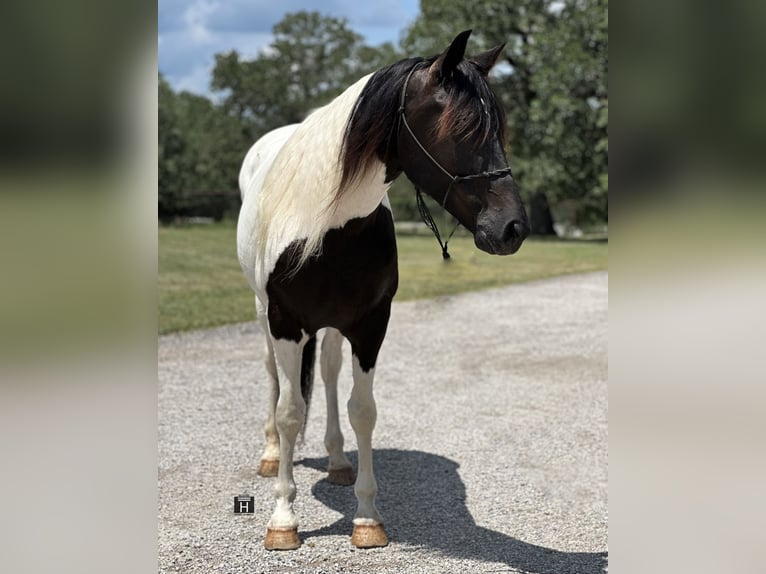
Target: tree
x=200 y=151
x=172 y=146
x=312 y=59
x=568 y=118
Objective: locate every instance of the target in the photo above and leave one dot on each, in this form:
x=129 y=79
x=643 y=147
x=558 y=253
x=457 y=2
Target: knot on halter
x=428 y=219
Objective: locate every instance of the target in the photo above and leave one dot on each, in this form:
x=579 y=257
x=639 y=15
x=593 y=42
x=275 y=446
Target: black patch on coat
x=348 y=286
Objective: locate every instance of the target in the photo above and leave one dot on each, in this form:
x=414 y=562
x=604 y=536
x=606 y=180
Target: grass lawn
x=201 y=284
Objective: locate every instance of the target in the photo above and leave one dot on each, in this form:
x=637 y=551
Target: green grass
x=423 y=273
x=201 y=284
x=200 y=281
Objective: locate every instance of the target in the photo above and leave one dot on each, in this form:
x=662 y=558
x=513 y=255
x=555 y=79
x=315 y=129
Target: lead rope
x=428 y=219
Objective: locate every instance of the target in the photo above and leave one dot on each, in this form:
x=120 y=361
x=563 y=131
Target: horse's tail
x=307 y=375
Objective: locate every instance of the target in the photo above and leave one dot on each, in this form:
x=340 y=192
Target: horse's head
x=451 y=146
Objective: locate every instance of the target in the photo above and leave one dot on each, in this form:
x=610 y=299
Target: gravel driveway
x=490 y=447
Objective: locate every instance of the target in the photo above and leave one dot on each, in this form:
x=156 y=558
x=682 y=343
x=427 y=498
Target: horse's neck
x=303 y=180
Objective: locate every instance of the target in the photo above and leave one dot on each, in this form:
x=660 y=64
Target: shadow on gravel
x=422 y=500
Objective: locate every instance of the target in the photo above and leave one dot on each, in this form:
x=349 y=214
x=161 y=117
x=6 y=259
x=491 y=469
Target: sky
x=191 y=32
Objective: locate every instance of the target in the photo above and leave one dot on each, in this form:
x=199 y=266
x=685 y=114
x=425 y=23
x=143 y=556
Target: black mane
x=471 y=112
x=374 y=120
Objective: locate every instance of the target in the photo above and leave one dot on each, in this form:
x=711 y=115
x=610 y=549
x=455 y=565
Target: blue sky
x=190 y=32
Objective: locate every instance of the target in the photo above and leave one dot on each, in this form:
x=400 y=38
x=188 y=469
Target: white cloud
x=188 y=65
x=196 y=18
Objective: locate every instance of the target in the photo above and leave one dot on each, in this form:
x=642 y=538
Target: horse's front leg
x=282 y=531
x=339 y=468
x=365 y=344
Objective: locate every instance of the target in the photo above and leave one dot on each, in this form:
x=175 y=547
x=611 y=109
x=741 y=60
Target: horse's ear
x=486 y=60
x=446 y=63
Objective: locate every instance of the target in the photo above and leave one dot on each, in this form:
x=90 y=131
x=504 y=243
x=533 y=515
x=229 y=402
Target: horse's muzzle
x=503 y=239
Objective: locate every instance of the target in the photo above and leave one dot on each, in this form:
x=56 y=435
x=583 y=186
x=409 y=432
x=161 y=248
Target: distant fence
x=199 y=204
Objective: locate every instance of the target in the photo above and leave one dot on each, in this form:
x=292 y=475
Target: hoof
x=268 y=468
x=281 y=539
x=342 y=476
x=369 y=536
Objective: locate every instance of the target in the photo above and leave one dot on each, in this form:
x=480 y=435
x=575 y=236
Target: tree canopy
x=200 y=153
x=311 y=60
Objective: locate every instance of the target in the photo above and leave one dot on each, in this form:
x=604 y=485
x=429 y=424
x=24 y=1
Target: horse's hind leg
x=339 y=468
x=269 y=464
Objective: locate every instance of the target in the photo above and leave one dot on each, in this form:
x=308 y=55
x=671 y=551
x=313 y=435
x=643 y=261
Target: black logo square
x=244 y=504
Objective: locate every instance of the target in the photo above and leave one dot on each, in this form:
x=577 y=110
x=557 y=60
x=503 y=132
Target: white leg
x=282 y=533
x=368 y=525
x=339 y=468
x=270 y=459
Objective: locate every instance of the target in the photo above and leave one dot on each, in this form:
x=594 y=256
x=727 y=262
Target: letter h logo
x=244 y=504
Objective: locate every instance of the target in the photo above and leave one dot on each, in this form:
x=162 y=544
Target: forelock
x=472 y=111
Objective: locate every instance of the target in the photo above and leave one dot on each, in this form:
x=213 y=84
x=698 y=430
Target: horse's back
x=258 y=160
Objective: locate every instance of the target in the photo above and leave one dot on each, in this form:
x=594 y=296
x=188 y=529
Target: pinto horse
x=316 y=241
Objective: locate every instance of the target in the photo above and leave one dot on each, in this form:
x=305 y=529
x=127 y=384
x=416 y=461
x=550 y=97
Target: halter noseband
x=454 y=179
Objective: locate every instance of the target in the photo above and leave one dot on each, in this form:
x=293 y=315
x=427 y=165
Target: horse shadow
x=424 y=506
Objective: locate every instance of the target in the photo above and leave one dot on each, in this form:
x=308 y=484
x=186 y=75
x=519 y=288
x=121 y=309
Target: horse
x=315 y=239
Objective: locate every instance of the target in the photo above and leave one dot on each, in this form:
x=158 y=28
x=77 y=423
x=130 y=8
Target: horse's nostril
x=515 y=229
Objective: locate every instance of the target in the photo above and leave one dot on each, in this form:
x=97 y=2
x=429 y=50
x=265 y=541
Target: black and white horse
x=316 y=241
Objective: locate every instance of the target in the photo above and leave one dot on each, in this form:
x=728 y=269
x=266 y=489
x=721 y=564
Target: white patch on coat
x=289 y=180
x=363 y=414
x=255 y=167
